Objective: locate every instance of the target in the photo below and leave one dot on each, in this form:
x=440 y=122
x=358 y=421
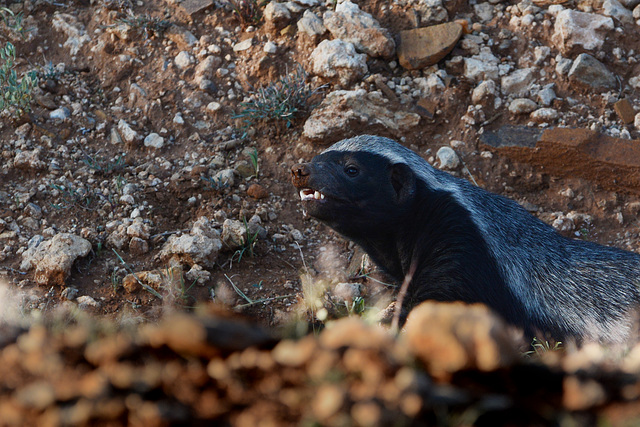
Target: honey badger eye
x=351 y=170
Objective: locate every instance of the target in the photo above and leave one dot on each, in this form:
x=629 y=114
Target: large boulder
x=337 y=58
x=580 y=30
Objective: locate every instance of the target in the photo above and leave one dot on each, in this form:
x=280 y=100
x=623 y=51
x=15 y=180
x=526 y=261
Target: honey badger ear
x=403 y=180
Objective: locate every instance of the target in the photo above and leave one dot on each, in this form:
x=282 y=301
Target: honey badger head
x=355 y=190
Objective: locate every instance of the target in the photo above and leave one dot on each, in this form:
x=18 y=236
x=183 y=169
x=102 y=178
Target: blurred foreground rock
x=212 y=368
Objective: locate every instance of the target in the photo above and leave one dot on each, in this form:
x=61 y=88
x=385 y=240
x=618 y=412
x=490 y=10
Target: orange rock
x=257 y=191
x=426 y=46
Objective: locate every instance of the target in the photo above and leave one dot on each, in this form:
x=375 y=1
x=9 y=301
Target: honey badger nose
x=300 y=174
x=300 y=170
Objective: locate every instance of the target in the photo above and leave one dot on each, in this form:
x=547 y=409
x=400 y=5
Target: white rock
x=207 y=68
x=518 y=82
x=214 y=107
x=541 y=53
x=243 y=45
x=270 y=47
x=483 y=66
x=177 y=119
x=522 y=106
x=580 y=29
x=86 y=301
x=430 y=11
x=636 y=121
x=154 y=140
x=336 y=58
x=60 y=113
x=277 y=14
x=546 y=96
x=128 y=134
x=311 y=24
x=563 y=65
x=448 y=158
x=544 y=115
x=53 y=258
x=127 y=199
x=184 y=59
x=225 y=178
x=343 y=109
x=355 y=26
x=614 y=9
x=636 y=12
x=484 y=91
x=73 y=29
x=484 y=11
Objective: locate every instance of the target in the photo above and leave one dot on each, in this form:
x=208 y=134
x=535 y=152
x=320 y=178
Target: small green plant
x=102 y=166
x=248 y=244
x=253 y=156
x=283 y=100
x=540 y=347
x=79 y=197
x=150 y=27
x=48 y=72
x=215 y=184
x=15 y=96
x=13 y=21
x=248 y=12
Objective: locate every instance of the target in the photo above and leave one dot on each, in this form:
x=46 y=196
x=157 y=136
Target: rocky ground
x=152 y=173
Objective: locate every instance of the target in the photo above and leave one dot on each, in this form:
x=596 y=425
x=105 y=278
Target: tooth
x=316 y=195
x=301 y=194
x=321 y=196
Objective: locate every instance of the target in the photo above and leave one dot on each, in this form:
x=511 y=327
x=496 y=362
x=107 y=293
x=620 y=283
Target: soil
x=80 y=183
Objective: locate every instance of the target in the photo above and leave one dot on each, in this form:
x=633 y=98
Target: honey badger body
x=467 y=244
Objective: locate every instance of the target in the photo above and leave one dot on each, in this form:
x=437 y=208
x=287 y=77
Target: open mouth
x=309 y=194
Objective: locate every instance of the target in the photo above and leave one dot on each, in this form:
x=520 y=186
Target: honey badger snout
x=300 y=174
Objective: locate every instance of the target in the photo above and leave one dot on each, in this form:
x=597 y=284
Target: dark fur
x=468 y=244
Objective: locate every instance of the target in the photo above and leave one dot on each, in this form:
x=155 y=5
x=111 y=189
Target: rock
x=200 y=246
x=127 y=133
x=270 y=47
x=430 y=11
x=336 y=58
x=587 y=70
x=517 y=83
x=422 y=47
x=73 y=29
x=181 y=36
x=60 y=113
x=184 y=60
x=575 y=29
x=448 y=158
x=138 y=246
x=139 y=229
x=311 y=25
x=327 y=401
x=350 y=24
x=86 y=301
x=625 y=111
x=614 y=9
x=276 y=15
x=636 y=121
x=563 y=66
x=484 y=11
x=53 y=258
x=193 y=7
x=522 y=106
x=257 y=191
x=483 y=66
x=206 y=69
x=234 y=234
x=546 y=96
x=243 y=45
x=342 y=109
x=224 y=178
x=154 y=140
x=636 y=12
x=29 y=159
x=484 y=92
x=69 y=293
x=544 y=115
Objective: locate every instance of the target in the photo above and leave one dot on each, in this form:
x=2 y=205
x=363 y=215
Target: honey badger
x=463 y=243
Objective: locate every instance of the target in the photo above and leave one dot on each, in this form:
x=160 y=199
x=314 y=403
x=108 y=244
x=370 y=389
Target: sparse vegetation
x=284 y=100
x=105 y=167
x=540 y=347
x=150 y=27
x=13 y=21
x=253 y=156
x=248 y=12
x=15 y=94
x=247 y=245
